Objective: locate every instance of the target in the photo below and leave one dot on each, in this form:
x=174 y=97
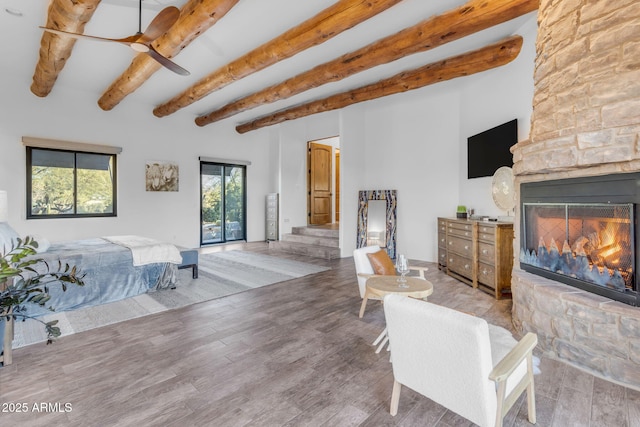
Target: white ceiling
x=93 y=65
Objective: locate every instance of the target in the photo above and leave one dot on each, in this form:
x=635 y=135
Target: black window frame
x=114 y=168
x=224 y=166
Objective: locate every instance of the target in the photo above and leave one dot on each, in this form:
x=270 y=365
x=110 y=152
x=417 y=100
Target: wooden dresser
x=477 y=253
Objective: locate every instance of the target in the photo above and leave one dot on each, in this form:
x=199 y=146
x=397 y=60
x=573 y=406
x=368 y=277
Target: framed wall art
x=162 y=176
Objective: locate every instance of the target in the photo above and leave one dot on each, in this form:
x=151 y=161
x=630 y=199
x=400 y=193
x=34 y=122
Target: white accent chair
x=364 y=270
x=457 y=360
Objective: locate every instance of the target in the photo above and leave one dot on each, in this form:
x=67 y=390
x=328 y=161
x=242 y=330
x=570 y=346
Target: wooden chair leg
x=395 y=397
x=501 y=393
x=531 y=393
x=364 y=305
x=382 y=335
x=385 y=340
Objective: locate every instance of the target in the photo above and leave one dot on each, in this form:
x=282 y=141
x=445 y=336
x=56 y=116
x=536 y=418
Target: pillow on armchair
x=381 y=263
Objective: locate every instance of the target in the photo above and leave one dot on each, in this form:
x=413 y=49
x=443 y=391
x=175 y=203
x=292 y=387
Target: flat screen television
x=489 y=150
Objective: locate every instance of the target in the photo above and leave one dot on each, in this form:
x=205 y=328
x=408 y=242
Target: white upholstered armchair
x=457 y=360
x=365 y=269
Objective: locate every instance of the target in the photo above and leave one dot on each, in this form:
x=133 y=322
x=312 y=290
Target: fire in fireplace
x=582 y=232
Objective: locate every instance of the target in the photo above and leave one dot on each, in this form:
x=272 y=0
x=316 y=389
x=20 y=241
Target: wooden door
x=319 y=183
x=337 y=198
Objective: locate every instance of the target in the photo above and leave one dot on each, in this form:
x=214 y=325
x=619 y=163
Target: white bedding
x=147 y=251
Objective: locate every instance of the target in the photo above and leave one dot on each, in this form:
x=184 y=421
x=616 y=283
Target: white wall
x=294 y=136
x=411 y=146
x=490 y=99
x=415 y=143
x=169 y=216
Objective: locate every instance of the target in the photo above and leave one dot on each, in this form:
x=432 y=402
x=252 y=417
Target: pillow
x=8 y=237
x=381 y=263
x=43 y=243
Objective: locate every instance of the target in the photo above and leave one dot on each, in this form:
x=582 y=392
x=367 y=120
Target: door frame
x=335 y=185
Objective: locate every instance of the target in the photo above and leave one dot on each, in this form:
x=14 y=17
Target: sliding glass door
x=222 y=202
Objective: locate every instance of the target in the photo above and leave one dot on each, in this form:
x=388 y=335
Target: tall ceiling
x=93 y=66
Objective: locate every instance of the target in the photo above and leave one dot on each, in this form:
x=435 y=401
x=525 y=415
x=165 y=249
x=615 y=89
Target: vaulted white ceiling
x=93 y=65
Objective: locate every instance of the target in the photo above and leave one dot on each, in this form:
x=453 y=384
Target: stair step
x=304 y=249
x=332 y=242
x=316 y=231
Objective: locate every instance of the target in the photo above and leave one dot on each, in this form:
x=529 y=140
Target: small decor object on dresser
x=461 y=213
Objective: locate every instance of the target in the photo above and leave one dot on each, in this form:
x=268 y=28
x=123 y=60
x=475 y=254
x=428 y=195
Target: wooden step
x=321 y=241
x=332 y=242
x=315 y=251
x=319 y=231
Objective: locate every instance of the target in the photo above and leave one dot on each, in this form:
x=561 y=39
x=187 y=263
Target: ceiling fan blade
x=160 y=24
x=126 y=40
x=166 y=62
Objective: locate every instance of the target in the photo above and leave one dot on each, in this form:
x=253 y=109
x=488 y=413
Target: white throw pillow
x=43 y=243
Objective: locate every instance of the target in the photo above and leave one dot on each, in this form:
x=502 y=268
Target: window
x=70 y=184
x=222 y=201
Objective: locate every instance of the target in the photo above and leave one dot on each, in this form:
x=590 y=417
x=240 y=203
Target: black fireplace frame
x=616 y=188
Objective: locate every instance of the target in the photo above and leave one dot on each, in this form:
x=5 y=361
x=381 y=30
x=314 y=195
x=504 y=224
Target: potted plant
x=461 y=212
x=25 y=279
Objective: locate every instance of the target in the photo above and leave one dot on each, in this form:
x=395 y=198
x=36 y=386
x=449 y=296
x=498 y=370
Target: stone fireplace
x=585 y=126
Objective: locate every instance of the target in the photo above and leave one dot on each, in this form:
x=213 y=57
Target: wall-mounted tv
x=489 y=150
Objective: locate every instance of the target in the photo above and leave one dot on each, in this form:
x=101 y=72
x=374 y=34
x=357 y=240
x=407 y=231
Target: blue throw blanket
x=109 y=275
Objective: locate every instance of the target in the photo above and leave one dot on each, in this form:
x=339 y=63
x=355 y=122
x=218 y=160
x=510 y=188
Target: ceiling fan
x=141 y=42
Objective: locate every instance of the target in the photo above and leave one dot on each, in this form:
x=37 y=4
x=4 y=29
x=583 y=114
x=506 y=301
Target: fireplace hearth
x=581 y=232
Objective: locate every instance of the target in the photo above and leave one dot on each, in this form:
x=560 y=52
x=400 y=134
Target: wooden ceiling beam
x=196 y=17
x=473 y=16
x=333 y=20
x=66 y=15
x=489 y=57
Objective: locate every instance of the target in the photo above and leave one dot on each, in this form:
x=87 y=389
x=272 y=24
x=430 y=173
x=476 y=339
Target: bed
x=114 y=268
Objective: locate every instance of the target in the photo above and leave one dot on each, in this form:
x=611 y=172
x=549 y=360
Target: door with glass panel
x=222 y=203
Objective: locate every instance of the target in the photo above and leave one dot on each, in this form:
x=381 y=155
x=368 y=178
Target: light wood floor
x=289 y=354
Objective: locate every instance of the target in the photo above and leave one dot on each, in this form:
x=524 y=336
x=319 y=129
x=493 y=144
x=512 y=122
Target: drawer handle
x=466 y=234
x=466 y=266
x=466 y=248
x=442 y=256
x=442 y=240
x=450 y=259
x=484 y=271
x=484 y=252
x=484 y=236
x=451 y=242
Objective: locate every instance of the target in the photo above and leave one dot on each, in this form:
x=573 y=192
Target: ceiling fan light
x=140 y=47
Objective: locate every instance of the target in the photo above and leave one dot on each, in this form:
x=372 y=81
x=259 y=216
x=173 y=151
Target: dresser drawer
x=460 y=265
x=460 y=246
x=460 y=229
x=442 y=240
x=486 y=233
x=487 y=275
x=442 y=256
x=486 y=252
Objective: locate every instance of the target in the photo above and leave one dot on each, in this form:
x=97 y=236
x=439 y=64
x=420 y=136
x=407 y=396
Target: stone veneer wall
x=585 y=122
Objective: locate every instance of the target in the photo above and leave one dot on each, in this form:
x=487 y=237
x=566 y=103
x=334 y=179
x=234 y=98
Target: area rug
x=220 y=274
